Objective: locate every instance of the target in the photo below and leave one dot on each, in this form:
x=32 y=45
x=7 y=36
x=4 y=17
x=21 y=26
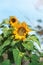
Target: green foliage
x=35 y=39
x=5 y=21
x=41 y=63
x=14 y=42
x=18 y=49
x=34 y=57
x=34 y=63
x=6 y=43
x=6 y=62
x=17 y=56
x=28 y=45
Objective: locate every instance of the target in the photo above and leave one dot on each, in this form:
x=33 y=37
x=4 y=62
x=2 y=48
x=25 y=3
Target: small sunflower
x=21 y=31
x=13 y=21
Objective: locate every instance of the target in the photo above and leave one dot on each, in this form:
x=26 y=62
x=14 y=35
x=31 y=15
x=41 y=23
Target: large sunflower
x=21 y=31
x=13 y=21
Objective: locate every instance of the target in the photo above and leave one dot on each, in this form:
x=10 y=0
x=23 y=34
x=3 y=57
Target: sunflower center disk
x=13 y=20
x=21 y=31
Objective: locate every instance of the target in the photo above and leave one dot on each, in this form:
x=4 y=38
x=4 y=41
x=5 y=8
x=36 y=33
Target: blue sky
x=20 y=8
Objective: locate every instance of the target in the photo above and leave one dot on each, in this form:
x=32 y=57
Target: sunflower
x=21 y=31
x=13 y=21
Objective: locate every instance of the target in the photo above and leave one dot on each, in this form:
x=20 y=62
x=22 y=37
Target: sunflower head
x=21 y=31
x=13 y=21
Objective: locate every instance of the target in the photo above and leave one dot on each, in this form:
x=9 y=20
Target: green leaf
x=1 y=59
x=41 y=54
x=14 y=42
x=34 y=63
x=28 y=45
x=1 y=38
x=5 y=31
x=26 y=58
x=17 y=56
x=0 y=63
x=6 y=62
x=6 y=43
x=34 y=39
x=1 y=26
x=5 y=21
x=34 y=57
x=41 y=63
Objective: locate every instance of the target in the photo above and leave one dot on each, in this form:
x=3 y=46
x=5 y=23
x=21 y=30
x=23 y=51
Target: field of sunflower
x=17 y=46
